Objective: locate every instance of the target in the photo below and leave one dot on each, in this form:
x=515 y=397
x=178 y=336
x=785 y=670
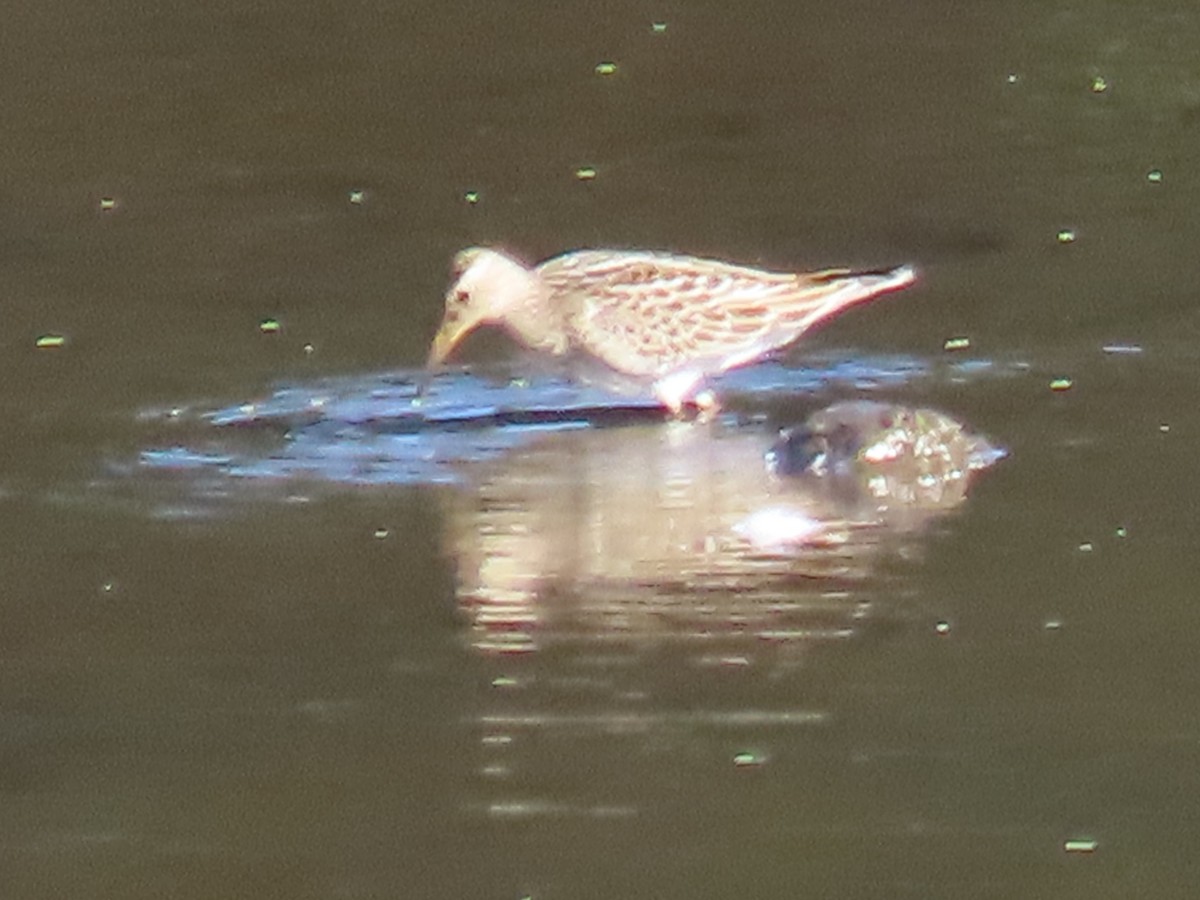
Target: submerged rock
x=862 y=435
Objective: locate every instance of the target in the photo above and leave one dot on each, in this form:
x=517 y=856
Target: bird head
x=487 y=286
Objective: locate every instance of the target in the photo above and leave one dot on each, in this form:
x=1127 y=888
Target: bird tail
x=868 y=283
x=828 y=293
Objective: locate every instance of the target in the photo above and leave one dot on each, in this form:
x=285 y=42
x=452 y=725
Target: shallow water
x=333 y=653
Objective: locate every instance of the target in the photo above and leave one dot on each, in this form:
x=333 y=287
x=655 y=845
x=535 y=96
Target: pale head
x=487 y=287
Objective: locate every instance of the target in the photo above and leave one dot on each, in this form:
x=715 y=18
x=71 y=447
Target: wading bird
x=662 y=321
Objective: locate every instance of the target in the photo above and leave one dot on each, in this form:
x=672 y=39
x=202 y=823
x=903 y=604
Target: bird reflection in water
x=617 y=580
x=688 y=530
x=576 y=530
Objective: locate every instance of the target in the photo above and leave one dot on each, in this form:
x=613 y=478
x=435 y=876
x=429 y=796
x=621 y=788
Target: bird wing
x=651 y=314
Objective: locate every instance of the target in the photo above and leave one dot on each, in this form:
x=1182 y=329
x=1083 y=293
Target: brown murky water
x=360 y=661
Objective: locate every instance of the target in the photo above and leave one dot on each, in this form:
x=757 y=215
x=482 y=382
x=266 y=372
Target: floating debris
x=107 y=204
x=357 y=196
x=269 y=326
x=1013 y=78
x=606 y=68
x=1061 y=384
x=51 y=341
x=472 y=197
x=1121 y=532
x=1086 y=547
x=1080 y=845
x=957 y=343
x=1099 y=84
x=1066 y=236
x=585 y=173
x=1121 y=349
x=942 y=627
x=658 y=27
x=1154 y=176
x=503 y=681
x=748 y=759
x=381 y=533
x=1052 y=624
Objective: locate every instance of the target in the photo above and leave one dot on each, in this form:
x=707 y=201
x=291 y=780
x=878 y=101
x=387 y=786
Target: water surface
x=507 y=675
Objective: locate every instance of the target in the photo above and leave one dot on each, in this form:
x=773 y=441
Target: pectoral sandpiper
x=664 y=321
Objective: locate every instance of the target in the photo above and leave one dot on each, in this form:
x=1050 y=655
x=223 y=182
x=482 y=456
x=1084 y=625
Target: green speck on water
x=51 y=341
x=357 y=196
x=1080 y=845
x=471 y=197
x=108 y=204
x=504 y=681
x=1013 y=77
x=1121 y=532
x=1154 y=176
x=658 y=27
x=957 y=343
x=1066 y=236
x=606 y=68
x=942 y=627
x=746 y=759
x=585 y=173
x=1099 y=84
x=269 y=326
x=1061 y=384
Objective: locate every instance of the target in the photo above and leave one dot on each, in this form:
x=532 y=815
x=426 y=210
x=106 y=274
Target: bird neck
x=537 y=321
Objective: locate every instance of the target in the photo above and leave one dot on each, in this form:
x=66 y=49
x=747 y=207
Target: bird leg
x=675 y=390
